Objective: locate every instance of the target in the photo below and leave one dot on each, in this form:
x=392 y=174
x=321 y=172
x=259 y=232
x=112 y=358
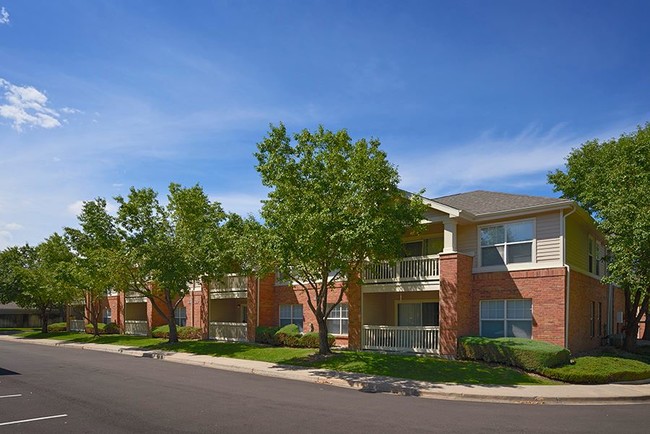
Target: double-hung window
x=180 y=316
x=291 y=314
x=508 y=243
x=337 y=321
x=506 y=318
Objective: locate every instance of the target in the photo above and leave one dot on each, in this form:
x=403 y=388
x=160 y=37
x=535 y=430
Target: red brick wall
x=583 y=291
x=271 y=297
x=545 y=287
x=455 y=300
x=116 y=304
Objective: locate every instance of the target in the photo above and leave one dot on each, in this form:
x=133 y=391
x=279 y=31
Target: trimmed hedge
x=266 y=335
x=57 y=327
x=184 y=333
x=288 y=336
x=529 y=355
x=104 y=329
x=312 y=340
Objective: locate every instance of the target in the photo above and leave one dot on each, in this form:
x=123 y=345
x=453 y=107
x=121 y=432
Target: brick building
x=487 y=263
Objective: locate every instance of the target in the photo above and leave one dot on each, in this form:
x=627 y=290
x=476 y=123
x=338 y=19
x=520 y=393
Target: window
x=506 y=318
x=596 y=323
x=509 y=243
x=418 y=314
x=180 y=316
x=414 y=248
x=337 y=321
x=596 y=253
x=291 y=314
x=107 y=316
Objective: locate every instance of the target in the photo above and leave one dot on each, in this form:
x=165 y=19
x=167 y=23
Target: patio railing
x=416 y=268
x=422 y=339
x=229 y=331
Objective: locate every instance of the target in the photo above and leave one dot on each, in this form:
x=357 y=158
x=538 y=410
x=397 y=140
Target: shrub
x=288 y=336
x=111 y=329
x=266 y=335
x=57 y=327
x=312 y=340
x=100 y=326
x=161 y=332
x=188 y=332
x=526 y=354
x=183 y=332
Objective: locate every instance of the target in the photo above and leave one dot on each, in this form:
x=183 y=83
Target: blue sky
x=97 y=96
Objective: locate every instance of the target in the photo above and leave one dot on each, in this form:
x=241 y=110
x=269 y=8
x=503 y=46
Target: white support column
x=450 y=236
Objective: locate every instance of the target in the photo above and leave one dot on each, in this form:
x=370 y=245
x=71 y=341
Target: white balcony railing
x=235 y=286
x=134 y=297
x=416 y=268
x=77 y=325
x=136 y=327
x=423 y=339
x=229 y=331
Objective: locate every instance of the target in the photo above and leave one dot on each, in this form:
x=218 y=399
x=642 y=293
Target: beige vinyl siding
x=547 y=235
x=577 y=242
x=467 y=239
x=549 y=245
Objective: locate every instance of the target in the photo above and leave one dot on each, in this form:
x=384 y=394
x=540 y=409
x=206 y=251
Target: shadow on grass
x=417 y=368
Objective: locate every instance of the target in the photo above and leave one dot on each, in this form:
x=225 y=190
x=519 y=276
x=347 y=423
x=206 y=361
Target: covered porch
x=76 y=322
x=227 y=310
x=135 y=315
x=402 y=322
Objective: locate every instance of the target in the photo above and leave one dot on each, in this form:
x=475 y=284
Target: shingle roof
x=486 y=202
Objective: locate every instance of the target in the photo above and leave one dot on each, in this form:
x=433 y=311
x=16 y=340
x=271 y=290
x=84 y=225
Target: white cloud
x=241 y=203
x=70 y=111
x=12 y=226
x=6 y=240
x=489 y=160
x=4 y=16
x=27 y=106
x=75 y=207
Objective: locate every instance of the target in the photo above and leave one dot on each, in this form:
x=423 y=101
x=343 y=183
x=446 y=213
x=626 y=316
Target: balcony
x=411 y=339
x=77 y=325
x=229 y=331
x=235 y=286
x=409 y=274
x=136 y=327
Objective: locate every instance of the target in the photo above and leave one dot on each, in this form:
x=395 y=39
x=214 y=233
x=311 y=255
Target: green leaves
x=333 y=203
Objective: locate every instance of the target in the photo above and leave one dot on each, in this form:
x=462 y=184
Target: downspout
x=568 y=276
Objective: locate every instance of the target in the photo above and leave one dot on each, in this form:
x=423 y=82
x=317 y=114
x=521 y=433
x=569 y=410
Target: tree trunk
x=323 y=344
x=44 y=320
x=173 y=332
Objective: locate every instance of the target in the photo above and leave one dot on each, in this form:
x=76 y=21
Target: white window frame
x=595 y=255
x=339 y=319
x=506 y=265
x=505 y=315
x=178 y=316
x=292 y=318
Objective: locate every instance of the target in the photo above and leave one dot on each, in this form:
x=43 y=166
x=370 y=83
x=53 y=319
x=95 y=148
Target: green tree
x=611 y=180
x=37 y=277
x=333 y=205
x=96 y=244
x=165 y=248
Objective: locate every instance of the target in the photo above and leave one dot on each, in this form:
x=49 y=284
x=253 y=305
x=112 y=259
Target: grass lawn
x=431 y=369
x=402 y=366
x=17 y=330
x=600 y=370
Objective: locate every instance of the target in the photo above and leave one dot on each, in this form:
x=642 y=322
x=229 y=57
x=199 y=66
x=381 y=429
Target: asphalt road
x=110 y=393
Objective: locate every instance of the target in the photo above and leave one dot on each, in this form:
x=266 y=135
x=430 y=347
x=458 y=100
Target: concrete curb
x=627 y=393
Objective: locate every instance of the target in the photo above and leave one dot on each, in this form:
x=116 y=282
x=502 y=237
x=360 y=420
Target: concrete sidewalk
x=560 y=394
